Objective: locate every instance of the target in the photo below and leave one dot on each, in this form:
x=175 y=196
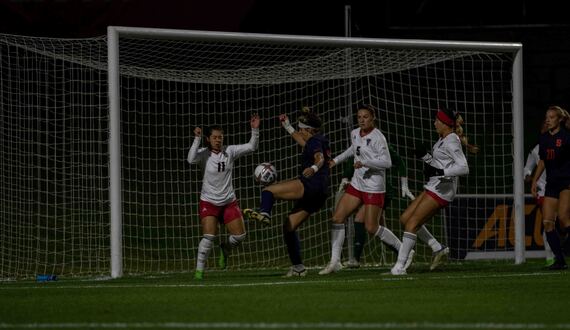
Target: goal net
x=56 y=208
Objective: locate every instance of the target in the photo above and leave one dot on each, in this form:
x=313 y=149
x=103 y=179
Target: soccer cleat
x=397 y=270
x=549 y=262
x=252 y=215
x=224 y=255
x=293 y=272
x=331 y=268
x=558 y=265
x=410 y=259
x=199 y=275
x=353 y=263
x=439 y=257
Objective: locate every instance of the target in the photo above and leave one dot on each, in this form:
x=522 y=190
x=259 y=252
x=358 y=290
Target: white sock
x=204 y=249
x=547 y=249
x=425 y=236
x=408 y=243
x=235 y=240
x=337 y=238
x=388 y=237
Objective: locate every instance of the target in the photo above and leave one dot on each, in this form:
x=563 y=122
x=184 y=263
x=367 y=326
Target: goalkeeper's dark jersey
x=319 y=181
x=554 y=150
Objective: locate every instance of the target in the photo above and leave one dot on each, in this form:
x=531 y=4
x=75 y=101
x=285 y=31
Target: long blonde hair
x=562 y=113
x=472 y=148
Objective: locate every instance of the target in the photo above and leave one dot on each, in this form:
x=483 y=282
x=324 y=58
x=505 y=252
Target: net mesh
x=55 y=209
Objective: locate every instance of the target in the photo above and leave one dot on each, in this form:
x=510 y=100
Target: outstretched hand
x=197 y=132
x=254 y=121
x=286 y=124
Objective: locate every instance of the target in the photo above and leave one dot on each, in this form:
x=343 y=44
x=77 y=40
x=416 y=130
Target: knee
x=549 y=225
x=337 y=218
x=237 y=239
x=372 y=228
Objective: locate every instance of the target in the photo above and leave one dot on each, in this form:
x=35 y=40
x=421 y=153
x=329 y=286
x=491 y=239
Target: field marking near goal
x=380 y=278
x=268 y=325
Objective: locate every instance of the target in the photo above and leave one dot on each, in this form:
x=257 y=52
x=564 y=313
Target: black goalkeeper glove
x=430 y=171
x=421 y=150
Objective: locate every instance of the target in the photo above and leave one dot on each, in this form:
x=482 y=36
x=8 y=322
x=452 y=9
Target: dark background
x=543 y=27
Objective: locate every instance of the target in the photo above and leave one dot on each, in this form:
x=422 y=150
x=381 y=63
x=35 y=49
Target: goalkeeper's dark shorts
x=314 y=198
x=556 y=186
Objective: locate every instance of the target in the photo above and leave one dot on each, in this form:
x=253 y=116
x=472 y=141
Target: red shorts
x=225 y=213
x=540 y=201
x=442 y=202
x=366 y=198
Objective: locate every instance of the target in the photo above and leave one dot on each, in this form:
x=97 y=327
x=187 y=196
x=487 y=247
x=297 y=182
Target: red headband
x=444 y=118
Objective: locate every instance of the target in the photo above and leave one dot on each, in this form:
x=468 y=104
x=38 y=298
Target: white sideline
x=293 y=325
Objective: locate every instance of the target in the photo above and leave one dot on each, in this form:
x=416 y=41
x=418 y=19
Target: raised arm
x=289 y=128
x=191 y=158
x=253 y=141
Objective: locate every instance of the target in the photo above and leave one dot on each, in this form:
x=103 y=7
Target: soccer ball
x=265 y=174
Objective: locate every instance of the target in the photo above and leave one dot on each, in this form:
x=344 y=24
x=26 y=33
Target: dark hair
x=212 y=128
x=310 y=118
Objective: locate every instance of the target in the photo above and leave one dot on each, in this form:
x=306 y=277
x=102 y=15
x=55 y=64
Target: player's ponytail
x=472 y=148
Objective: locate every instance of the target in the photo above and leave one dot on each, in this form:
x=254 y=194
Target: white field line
x=292 y=325
x=293 y=281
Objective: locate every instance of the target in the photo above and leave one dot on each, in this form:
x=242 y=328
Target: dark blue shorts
x=313 y=199
x=553 y=188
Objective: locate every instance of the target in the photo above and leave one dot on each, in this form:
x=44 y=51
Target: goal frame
x=114 y=33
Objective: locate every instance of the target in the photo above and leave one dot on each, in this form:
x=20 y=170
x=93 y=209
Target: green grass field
x=474 y=295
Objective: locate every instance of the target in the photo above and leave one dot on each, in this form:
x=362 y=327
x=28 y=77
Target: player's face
x=305 y=133
x=365 y=120
x=440 y=127
x=216 y=140
x=552 y=120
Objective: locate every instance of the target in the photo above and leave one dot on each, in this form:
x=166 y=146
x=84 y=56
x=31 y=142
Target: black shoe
x=557 y=265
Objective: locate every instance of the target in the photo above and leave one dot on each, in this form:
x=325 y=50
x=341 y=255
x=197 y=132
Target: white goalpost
x=282 y=73
x=96 y=132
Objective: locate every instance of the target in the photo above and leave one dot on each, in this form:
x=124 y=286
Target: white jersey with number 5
x=447 y=154
x=372 y=151
x=217 y=167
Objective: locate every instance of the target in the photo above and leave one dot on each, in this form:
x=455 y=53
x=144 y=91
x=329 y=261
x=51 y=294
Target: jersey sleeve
x=348 y=153
x=242 y=149
x=193 y=152
x=531 y=161
x=459 y=165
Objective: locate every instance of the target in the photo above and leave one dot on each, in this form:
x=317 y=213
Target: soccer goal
x=95 y=134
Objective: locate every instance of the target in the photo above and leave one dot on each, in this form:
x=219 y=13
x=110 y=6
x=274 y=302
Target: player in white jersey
x=442 y=166
x=218 y=202
x=531 y=163
x=367 y=186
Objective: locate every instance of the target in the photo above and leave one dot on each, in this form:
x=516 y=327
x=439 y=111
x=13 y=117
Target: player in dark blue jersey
x=309 y=190
x=554 y=152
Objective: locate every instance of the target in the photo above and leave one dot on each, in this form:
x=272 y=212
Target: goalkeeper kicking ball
x=265 y=174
